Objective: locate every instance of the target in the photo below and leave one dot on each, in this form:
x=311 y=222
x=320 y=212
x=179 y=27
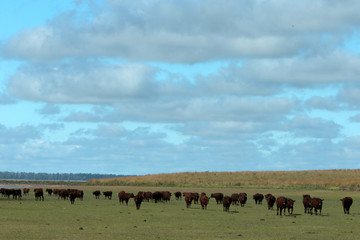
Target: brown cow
x=218 y=197
x=316 y=203
x=196 y=197
x=270 y=199
x=97 y=194
x=64 y=193
x=258 y=197
x=26 y=191
x=204 y=201
x=281 y=203
x=147 y=196
x=290 y=206
x=138 y=199
x=242 y=199
x=107 y=194
x=188 y=199
x=166 y=195
x=39 y=195
x=235 y=198
x=124 y=197
x=346 y=202
x=226 y=203
x=307 y=203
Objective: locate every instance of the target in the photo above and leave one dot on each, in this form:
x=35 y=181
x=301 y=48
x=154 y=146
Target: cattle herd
x=282 y=203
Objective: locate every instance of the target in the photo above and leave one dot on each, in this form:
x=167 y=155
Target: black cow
x=97 y=194
x=107 y=194
x=258 y=197
x=346 y=202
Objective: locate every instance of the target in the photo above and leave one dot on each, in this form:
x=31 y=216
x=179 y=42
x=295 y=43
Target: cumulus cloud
x=188 y=31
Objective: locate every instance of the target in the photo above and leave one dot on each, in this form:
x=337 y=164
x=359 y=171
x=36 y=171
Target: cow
x=290 y=206
x=281 y=203
x=138 y=199
x=177 y=195
x=346 y=202
x=235 y=198
x=226 y=203
x=124 y=197
x=188 y=199
x=72 y=196
x=157 y=196
x=242 y=199
x=17 y=194
x=316 y=203
x=107 y=194
x=218 y=197
x=258 y=197
x=307 y=203
x=97 y=194
x=196 y=197
x=204 y=201
x=26 y=191
x=270 y=199
x=49 y=191
x=166 y=196
x=64 y=194
x=147 y=196
x=39 y=195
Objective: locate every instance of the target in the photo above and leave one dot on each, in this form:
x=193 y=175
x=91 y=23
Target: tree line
x=54 y=176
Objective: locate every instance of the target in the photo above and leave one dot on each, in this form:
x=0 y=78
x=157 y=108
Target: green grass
x=107 y=219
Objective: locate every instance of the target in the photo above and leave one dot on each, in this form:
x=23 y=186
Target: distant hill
x=317 y=179
x=54 y=176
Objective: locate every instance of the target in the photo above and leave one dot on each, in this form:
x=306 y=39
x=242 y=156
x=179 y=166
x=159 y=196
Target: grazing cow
x=258 y=197
x=39 y=195
x=157 y=196
x=124 y=197
x=178 y=195
x=64 y=194
x=138 y=199
x=97 y=194
x=204 y=201
x=166 y=196
x=270 y=199
x=226 y=203
x=290 y=206
x=235 y=198
x=188 y=199
x=17 y=194
x=307 y=203
x=147 y=196
x=281 y=203
x=107 y=194
x=346 y=202
x=242 y=199
x=316 y=203
x=218 y=197
x=49 y=191
x=26 y=191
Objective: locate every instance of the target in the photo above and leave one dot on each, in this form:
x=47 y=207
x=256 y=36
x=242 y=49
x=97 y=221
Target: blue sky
x=143 y=87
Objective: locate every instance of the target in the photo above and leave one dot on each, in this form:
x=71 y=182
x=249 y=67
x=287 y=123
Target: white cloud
x=189 y=31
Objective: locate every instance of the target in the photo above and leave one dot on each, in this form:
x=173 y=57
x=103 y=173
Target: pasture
x=93 y=218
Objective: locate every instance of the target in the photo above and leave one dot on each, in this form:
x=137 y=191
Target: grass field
x=107 y=219
x=316 y=179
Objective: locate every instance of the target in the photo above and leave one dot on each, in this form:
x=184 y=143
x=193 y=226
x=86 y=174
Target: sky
x=154 y=86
